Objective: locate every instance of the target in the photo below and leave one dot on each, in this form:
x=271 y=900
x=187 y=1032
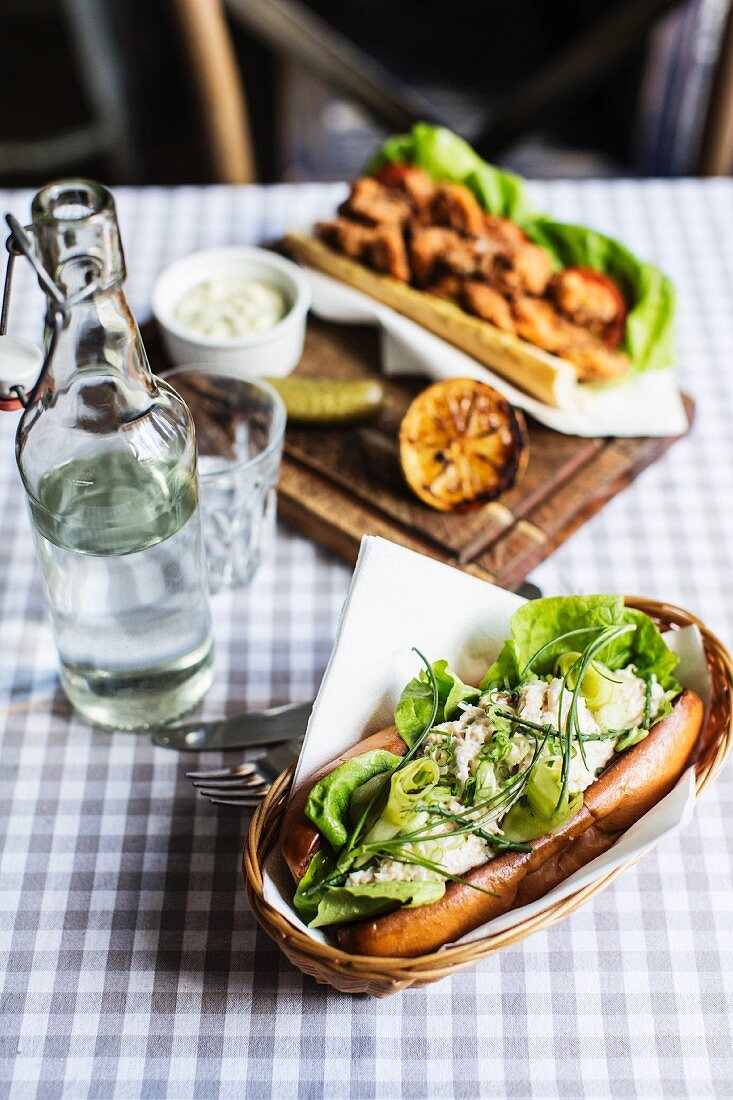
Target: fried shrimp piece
x=532 y=267
x=412 y=181
x=345 y=236
x=585 y=301
x=526 y=270
x=455 y=207
x=485 y=302
x=593 y=300
x=373 y=203
x=507 y=233
x=595 y=361
x=435 y=250
x=427 y=251
x=419 y=188
x=380 y=246
x=388 y=253
x=524 y=267
x=540 y=323
x=447 y=286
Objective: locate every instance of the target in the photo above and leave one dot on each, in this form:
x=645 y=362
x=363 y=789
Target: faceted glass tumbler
x=240 y=428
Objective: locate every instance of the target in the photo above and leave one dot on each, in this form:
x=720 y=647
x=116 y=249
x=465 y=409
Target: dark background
x=109 y=87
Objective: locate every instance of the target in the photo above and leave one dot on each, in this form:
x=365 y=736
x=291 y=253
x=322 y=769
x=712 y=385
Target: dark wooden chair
x=294 y=31
x=219 y=88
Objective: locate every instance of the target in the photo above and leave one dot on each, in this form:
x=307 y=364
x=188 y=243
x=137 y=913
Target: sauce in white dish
x=230 y=307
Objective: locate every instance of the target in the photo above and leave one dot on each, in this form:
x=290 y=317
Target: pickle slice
x=329 y=401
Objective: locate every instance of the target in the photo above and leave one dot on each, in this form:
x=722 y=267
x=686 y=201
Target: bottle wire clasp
x=16 y=394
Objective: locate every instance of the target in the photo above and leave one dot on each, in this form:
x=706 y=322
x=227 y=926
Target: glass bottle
x=107 y=455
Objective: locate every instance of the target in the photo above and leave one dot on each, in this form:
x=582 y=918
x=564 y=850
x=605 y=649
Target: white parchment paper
x=399 y=599
x=647 y=404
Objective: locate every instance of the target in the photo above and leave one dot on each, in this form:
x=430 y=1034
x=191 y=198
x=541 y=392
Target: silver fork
x=246 y=784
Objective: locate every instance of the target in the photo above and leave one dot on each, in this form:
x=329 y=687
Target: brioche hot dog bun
x=632 y=784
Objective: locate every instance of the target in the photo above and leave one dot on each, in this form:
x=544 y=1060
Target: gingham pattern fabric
x=130 y=963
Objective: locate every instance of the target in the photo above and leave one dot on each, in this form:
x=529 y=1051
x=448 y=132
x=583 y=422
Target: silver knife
x=242 y=731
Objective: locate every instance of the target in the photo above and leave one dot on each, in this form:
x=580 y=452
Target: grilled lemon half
x=461 y=445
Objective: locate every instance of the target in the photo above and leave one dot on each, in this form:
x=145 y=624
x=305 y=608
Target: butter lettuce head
x=649 y=294
x=537 y=624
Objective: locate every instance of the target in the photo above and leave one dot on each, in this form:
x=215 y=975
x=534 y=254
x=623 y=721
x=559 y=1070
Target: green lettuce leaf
x=541 y=808
x=504 y=673
x=646 y=649
x=370 y=796
x=416 y=701
x=630 y=738
x=328 y=802
x=649 y=294
x=538 y=623
x=522 y=823
x=408 y=787
x=307 y=897
x=342 y=904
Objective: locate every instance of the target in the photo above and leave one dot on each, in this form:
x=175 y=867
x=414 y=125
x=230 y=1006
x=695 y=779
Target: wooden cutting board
x=338 y=484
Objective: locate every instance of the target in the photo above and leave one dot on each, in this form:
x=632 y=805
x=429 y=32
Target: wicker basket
x=380 y=977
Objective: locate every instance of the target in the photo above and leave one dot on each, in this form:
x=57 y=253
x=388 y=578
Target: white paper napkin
x=399 y=599
x=646 y=404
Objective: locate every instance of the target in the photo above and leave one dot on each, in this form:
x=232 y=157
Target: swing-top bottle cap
x=20 y=365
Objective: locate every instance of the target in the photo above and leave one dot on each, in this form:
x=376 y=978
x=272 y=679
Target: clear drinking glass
x=240 y=427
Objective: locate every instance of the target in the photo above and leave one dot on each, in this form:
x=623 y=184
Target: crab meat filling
x=471 y=756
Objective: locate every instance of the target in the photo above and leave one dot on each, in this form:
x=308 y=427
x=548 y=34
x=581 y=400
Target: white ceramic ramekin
x=274 y=351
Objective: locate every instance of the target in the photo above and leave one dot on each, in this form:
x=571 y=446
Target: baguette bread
x=545 y=376
x=633 y=783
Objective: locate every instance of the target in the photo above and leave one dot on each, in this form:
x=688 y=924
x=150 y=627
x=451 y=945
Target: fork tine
x=234 y=783
x=234 y=792
x=245 y=803
x=223 y=773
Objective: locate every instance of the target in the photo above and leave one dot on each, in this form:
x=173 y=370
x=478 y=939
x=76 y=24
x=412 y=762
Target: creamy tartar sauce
x=229 y=307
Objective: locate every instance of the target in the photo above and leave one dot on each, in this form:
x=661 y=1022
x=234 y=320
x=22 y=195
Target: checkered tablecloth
x=129 y=962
